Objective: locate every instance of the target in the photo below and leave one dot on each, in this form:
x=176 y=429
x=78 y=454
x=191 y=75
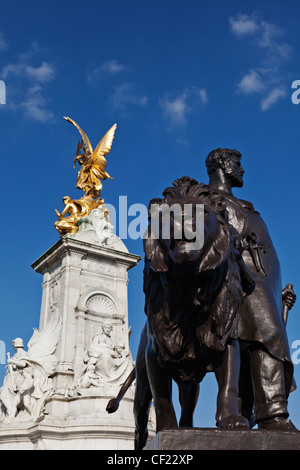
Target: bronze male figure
x=262 y=334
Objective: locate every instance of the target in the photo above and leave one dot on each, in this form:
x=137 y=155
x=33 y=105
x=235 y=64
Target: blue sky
x=179 y=78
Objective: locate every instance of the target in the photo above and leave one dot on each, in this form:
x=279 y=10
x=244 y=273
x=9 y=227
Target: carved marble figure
x=27 y=383
x=105 y=361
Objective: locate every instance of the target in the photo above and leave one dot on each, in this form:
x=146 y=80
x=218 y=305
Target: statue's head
x=66 y=199
x=181 y=237
x=228 y=161
x=18 y=343
x=107 y=328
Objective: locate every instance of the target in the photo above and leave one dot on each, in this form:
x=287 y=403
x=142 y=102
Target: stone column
x=85 y=285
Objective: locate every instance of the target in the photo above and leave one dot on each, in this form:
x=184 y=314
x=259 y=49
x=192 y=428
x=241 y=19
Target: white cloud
x=176 y=107
x=251 y=83
x=244 y=24
x=124 y=95
x=35 y=106
x=3 y=43
x=112 y=67
x=202 y=95
x=267 y=79
x=27 y=85
x=272 y=98
x=268 y=34
x=44 y=73
x=12 y=69
x=264 y=85
x=263 y=33
x=183 y=142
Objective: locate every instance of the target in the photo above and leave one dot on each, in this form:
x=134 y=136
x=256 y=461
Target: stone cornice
x=70 y=245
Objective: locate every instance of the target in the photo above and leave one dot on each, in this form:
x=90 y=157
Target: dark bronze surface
x=215 y=439
x=217 y=308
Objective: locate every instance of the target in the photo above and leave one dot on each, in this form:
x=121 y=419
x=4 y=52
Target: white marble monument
x=54 y=395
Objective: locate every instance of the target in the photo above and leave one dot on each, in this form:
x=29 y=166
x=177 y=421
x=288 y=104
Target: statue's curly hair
x=215 y=157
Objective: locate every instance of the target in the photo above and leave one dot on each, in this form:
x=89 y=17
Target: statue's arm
x=64 y=212
x=113 y=404
x=17 y=362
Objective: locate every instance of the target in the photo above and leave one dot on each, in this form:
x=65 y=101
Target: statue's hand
x=118 y=350
x=112 y=405
x=288 y=297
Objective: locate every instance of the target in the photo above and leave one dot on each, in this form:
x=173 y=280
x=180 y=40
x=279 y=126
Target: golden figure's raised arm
x=85 y=138
x=78 y=154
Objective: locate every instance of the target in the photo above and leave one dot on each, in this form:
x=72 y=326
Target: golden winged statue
x=92 y=171
x=93 y=162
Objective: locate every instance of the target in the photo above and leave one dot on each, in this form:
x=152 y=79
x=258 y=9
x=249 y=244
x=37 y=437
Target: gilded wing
x=103 y=148
x=87 y=144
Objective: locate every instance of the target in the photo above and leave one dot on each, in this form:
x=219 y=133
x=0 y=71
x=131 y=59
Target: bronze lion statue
x=192 y=301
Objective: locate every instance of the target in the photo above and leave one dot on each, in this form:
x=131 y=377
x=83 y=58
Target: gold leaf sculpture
x=92 y=171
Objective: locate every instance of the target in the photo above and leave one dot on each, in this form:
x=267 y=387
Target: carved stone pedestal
x=79 y=423
x=188 y=439
x=84 y=286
